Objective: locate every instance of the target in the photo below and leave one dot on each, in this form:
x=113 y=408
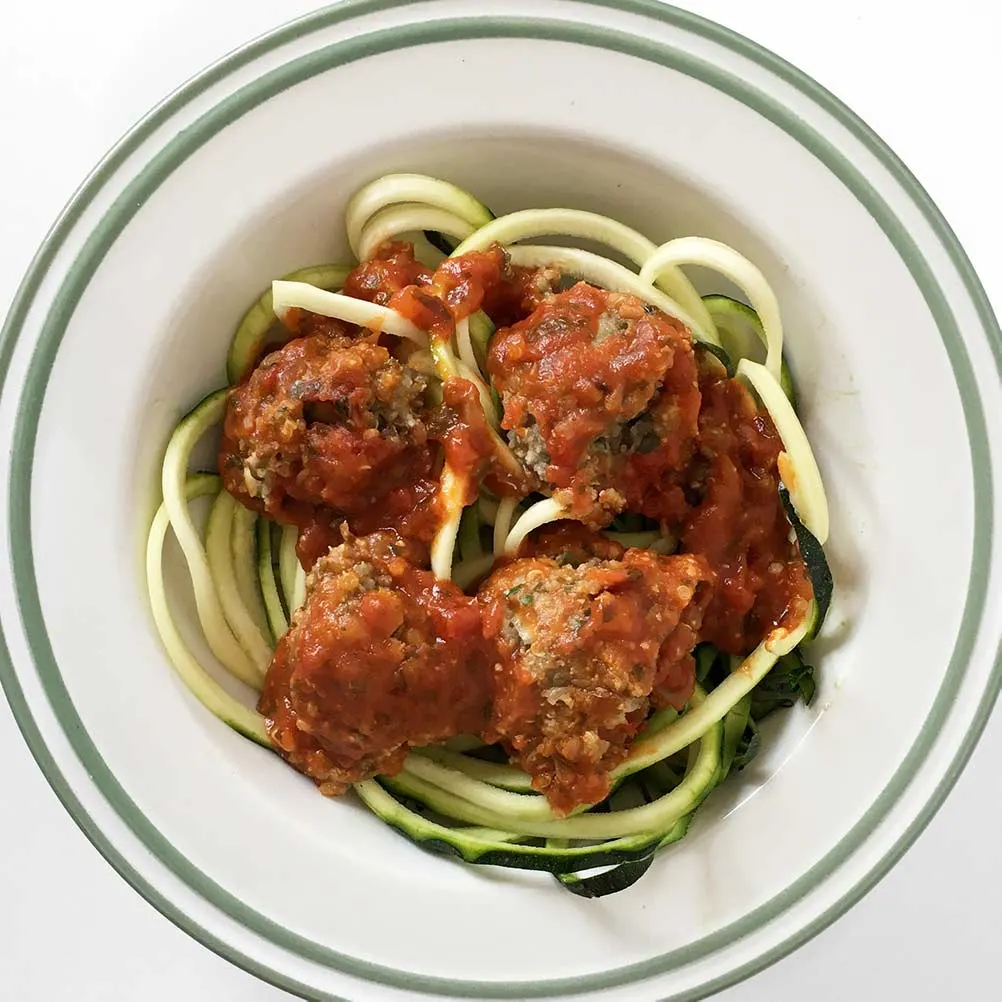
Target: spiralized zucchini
x=248 y=583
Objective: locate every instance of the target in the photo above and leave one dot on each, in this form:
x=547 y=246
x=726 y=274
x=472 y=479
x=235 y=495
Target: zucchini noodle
x=395 y=189
x=607 y=274
x=529 y=224
x=503 y=516
x=278 y=622
x=481 y=332
x=531 y=519
x=488 y=509
x=740 y=329
x=201 y=684
x=506 y=777
x=655 y=816
x=464 y=344
x=797 y=466
x=452 y=490
x=244 y=542
x=734 y=266
x=219 y=552
x=298 y=596
x=687 y=728
x=288 y=565
x=660 y=542
x=453 y=485
x=394 y=221
x=210 y=610
x=248 y=583
x=467 y=571
x=287 y=296
x=253 y=329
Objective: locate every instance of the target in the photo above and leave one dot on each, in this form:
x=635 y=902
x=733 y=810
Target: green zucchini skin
x=278 y=622
x=625 y=875
x=255 y=328
x=440 y=242
x=440 y=840
x=726 y=312
x=735 y=724
x=818 y=569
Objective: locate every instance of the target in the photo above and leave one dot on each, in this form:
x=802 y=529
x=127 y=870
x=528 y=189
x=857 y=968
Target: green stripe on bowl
x=232 y=107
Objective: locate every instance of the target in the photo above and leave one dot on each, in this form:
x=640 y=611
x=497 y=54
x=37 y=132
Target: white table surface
x=75 y=74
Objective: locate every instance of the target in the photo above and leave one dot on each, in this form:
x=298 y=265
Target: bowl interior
x=266 y=194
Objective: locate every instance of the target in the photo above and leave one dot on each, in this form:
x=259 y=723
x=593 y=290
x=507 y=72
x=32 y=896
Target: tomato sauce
x=738 y=522
x=519 y=294
x=392 y=269
x=455 y=291
x=412 y=510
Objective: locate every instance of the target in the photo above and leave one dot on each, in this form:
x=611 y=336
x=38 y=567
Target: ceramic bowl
x=627 y=107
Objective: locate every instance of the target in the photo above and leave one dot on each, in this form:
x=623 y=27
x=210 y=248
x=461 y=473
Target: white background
x=75 y=75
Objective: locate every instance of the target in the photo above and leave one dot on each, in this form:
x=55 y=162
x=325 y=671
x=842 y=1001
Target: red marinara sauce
x=412 y=510
x=519 y=293
x=456 y=290
x=392 y=268
x=739 y=524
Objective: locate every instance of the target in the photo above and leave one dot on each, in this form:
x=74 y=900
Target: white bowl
x=668 y=123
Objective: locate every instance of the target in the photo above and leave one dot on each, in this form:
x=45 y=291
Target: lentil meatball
x=324 y=421
x=601 y=401
x=584 y=653
x=381 y=657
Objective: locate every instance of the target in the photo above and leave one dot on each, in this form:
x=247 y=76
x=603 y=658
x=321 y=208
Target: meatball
x=584 y=653
x=601 y=402
x=379 y=658
x=324 y=421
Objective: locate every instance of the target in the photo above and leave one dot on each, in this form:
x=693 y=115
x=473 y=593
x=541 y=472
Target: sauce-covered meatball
x=324 y=421
x=381 y=657
x=585 y=652
x=600 y=401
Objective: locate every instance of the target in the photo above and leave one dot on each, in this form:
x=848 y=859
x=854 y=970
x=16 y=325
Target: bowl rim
x=262 y=88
